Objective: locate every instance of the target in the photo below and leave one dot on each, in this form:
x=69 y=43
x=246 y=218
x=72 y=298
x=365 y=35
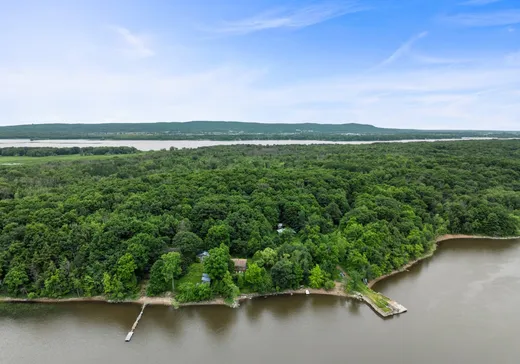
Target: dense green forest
x=90 y=227
x=228 y=130
x=51 y=151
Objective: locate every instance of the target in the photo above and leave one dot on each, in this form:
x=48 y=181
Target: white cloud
x=477 y=97
x=291 y=18
x=425 y=59
x=403 y=49
x=479 y=2
x=486 y=19
x=136 y=45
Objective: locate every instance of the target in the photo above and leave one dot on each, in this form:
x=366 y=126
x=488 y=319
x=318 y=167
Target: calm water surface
x=147 y=145
x=463 y=308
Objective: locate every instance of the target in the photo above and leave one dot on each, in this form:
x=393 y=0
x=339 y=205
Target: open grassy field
x=16 y=161
x=193 y=275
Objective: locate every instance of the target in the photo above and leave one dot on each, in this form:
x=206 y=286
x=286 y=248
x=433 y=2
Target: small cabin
x=240 y=265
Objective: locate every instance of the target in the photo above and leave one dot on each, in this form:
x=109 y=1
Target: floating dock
x=134 y=326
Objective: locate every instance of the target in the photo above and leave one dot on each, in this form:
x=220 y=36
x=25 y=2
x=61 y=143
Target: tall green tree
x=217 y=264
x=317 y=277
x=171 y=267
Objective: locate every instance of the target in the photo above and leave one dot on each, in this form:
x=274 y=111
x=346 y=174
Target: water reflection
x=463 y=249
x=281 y=307
x=354 y=306
x=218 y=320
x=166 y=319
x=92 y=313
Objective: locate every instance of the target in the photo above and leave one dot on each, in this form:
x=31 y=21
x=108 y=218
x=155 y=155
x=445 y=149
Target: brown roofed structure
x=240 y=265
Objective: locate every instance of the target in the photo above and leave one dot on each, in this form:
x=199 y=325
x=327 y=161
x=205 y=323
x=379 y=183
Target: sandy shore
x=167 y=301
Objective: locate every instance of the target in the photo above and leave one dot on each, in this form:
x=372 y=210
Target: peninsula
x=223 y=224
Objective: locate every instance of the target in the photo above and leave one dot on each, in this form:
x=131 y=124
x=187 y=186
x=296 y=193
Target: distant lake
x=463 y=308
x=146 y=145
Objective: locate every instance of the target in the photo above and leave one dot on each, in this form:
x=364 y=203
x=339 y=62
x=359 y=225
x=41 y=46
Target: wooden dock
x=134 y=326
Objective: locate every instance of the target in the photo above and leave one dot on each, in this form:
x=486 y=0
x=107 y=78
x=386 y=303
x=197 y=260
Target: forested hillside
x=229 y=130
x=98 y=227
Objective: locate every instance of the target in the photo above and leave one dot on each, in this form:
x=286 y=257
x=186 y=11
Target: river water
x=147 y=145
x=463 y=308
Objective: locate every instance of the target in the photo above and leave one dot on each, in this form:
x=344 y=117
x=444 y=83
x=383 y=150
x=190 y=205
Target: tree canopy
x=91 y=227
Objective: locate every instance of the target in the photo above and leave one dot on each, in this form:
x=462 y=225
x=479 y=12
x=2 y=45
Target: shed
x=205 y=278
x=203 y=256
x=240 y=265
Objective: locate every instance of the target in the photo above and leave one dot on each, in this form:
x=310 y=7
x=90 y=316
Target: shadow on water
x=455 y=249
x=354 y=306
x=91 y=313
x=475 y=246
x=21 y=311
x=281 y=307
x=167 y=319
x=325 y=303
x=216 y=320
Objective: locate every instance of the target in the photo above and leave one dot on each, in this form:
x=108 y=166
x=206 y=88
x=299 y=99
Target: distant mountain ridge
x=201 y=127
x=227 y=130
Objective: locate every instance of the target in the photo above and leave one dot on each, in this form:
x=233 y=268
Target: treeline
x=104 y=227
x=49 y=151
x=230 y=131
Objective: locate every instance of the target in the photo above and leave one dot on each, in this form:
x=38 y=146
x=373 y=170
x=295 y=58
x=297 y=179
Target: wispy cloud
x=291 y=18
x=479 y=2
x=513 y=59
x=403 y=50
x=487 y=19
x=137 y=44
x=428 y=98
x=424 y=59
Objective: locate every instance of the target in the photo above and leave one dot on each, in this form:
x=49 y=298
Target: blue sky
x=437 y=64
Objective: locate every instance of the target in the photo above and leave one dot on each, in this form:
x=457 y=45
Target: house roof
x=240 y=263
x=205 y=277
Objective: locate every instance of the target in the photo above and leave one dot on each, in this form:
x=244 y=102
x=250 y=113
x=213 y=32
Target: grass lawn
x=4 y=161
x=380 y=300
x=193 y=275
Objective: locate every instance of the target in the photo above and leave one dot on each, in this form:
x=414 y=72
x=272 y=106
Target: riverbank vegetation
x=52 y=151
x=102 y=227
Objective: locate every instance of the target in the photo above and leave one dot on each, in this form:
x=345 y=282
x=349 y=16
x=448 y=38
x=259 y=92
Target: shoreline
x=338 y=291
x=167 y=301
x=438 y=240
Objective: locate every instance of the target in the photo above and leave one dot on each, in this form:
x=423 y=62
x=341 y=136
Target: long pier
x=134 y=326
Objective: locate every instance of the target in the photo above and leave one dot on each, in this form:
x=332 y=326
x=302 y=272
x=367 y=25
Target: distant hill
x=197 y=127
x=227 y=130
